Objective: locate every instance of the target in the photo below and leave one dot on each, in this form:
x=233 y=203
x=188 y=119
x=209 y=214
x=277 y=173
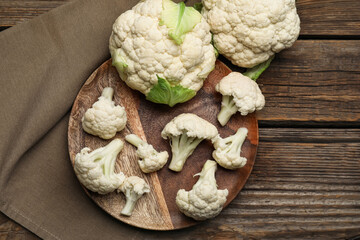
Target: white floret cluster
x=250 y=32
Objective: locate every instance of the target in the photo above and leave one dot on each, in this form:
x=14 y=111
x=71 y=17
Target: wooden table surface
x=306 y=179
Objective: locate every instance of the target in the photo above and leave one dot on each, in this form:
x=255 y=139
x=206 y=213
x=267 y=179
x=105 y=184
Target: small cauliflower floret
x=204 y=200
x=185 y=132
x=95 y=170
x=249 y=32
x=133 y=188
x=239 y=93
x=162 y=49
x=227 y=150
x=150 y=159
x=104 y=119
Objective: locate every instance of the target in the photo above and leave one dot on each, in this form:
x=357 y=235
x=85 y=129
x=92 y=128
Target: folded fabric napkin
x=44 y=63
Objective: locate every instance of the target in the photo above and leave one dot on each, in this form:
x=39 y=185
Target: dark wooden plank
x=15 y=12
x=305 y=185
x=9 y=230
x=315 y=81
x=327 y=17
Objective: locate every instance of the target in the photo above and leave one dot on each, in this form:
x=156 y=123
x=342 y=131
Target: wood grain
x=314 y=82
x=319 y=18
x=157 y=210
x=296 y=191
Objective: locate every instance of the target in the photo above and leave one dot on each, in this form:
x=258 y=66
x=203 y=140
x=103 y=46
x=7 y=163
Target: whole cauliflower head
x=155 y=56
x=240 y=93
x=95 y=170
x=204 y=200
x=150 y=159
x=104 y=118
x=248 y=32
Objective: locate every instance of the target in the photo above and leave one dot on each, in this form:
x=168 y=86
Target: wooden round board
x=157 y=210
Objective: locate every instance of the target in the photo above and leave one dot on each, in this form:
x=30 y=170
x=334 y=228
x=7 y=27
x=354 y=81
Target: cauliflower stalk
x=95 y=170
x=240 y=92
x=150 y=159
x=104 y=119
x=227 y=150
x=133 y=188
x=204 y=200
x=163 y=50
x=185 y=133
x=248 y=32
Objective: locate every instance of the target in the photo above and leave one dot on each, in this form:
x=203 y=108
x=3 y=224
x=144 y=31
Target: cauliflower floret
x=227 y=150
x=133 y=188
x=185 y=133
x=150 y=159
x=104 y=119
x=240 y=93
x=204 y=200
x=95 y=170
x=249 y=32
x=160 y=43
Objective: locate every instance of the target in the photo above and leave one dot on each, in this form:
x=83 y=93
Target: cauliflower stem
x=182 y=147
x=131 y=199
x=228 y=108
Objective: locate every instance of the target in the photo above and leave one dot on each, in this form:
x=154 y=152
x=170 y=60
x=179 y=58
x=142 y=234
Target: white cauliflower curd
x=248 y=32
x=163 y=50
x=204 y=200
x=104 y=118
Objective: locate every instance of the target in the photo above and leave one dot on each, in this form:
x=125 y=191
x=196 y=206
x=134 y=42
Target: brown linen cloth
x=43 y=64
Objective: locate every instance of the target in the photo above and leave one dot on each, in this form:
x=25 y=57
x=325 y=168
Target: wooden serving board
x=157 y=210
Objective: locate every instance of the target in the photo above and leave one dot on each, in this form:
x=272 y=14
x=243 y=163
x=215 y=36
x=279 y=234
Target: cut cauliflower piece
x=104 y=119
x=227 y=150
x=185 y=133
x=163 y=50
x=249 y=32
x=239 y=93
x=133 y=188
x=150 y=159
x=204 y=200
x=95 y=170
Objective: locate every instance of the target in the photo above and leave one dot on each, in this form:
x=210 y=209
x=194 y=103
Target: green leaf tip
x=179 y=19
x=119 y=61
x=255 y=72
x=164 y=93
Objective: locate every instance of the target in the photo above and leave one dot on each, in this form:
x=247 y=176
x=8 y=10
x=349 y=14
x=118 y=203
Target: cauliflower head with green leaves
x=163 y=50
x=248 y=32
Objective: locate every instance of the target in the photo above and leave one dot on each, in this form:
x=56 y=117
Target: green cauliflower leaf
x=179 y=19
x=164 y=93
